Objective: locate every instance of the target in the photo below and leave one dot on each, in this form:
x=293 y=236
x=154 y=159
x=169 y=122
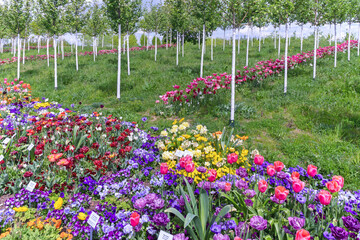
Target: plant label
x=165 y=236
x=93 y=219
x=30 y=147
x=6 y=141
x=1 y=157
x=30 y=187
x=13 y=135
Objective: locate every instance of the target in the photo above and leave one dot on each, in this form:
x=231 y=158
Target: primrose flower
x=82 y=216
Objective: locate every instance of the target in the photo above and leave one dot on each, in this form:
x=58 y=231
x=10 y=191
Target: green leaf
x=192 y=196
x=204 y=208
x=188 y=219
x=176 y=213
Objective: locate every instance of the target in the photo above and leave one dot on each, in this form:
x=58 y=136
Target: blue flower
x=144 y=119
x=215 y=228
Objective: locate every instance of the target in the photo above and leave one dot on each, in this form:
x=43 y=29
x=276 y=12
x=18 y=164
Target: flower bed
x=183 y=180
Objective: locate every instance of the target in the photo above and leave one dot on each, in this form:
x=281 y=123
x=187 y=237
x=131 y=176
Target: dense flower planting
x=183 y=180
x=100 y=52
x=208 y=86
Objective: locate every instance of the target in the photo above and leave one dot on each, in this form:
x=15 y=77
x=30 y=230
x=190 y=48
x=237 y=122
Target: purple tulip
x=258 y=223
x=339 y=233
x=351 y=223
x=219 y=236
x=296 y=223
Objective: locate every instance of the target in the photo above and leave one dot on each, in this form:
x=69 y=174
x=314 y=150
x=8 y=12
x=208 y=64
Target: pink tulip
x=258 y=160
x=262 y=186
x=270 y=170
x=298 y=185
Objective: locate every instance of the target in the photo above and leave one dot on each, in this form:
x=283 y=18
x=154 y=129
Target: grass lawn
x=317 y=122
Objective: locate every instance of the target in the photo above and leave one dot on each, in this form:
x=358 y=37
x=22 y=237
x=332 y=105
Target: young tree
x=75 y=19
x=155 y=18
x=357 y=19
x=4 y=31
x=301 y=17
x=351 y=12
x=17 y=17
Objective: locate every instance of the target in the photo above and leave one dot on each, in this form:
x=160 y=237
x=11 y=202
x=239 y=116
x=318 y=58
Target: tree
x=357 y=19
x=17 y=17
x=75 y=19
x=351 y=12
x=301 y=17
x=155 y=18
x=4 y=31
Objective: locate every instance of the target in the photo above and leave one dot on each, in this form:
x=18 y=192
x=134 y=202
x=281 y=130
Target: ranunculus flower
x=190 y=166
x=262 y=186
x=295 y=175
x=302 y=234
x=227 y=187
x=258 y=223
x=278 y=166
x=298 y=185
x=258 y=160
x=339 y=233
x=311 y=170
x=351 y=223
x=296 y=223
x=212 y=175
x=134 y=219
x=164 y=168
x=281 y=193
x=270 y=170
x=28 y=174
x=232 y=158
x=333 y=186
x=339 y=180
x=184 y=160
x=324 y=197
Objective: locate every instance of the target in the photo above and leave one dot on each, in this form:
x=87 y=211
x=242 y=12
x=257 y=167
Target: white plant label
x=165 y=236
x=93 y=219
x=1 y=157
x=13 y=135
x=6 y=141
x=30 y=187
x=30 y=147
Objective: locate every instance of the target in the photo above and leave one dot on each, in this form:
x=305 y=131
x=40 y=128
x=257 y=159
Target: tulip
x=164 y=168
x=270 y=170
x=333 y=186
x=302 y=234
x=278 y=166
x=262 y=186
x=281 y=193
x=190 y=166
x=212 y=175
x=295 y=175
x=134 y=219
x=258 y=160
x=311 y=170
x=237 y=238
x=232 y=158
x=339 y=180
x=227 y=187
x=298 y=185
x=324 y=197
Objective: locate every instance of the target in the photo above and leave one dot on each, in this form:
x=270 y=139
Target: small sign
x=6 y=141
x=1 y=157
x=93 y=219
x=30 y=187
x=30 y=147
x=13 y=135
x=165 y=236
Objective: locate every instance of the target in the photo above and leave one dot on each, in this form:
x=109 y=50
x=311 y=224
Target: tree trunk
x=102 y=43
x=119 y=63
x=302 y=38
x=275 y=36
x=128 y=54
x=335 y=38
x=315 y=52
x=259 y=39
x=239 y=42
x=170 y=36
x=285 y=58
x=155 y=45
x=47 y=51
x=83 y=42
x=212 y=51
x=330 y=35
x=76 y=52
x=224 y=41
x=62 y=49
x=15 y=46
x=279 y=47
x=147 y=45
x=55 y=64
x=71 y=47
x=124 y=45
x=358 y=46
x=202 y=53
x=215 y=42
x=112 y=41
x=183 y=43
x=177 y=48
x=199 y=39
x=167 y=39
x=252 y=37
x=19 y=55
x=29 y=44
x=232 y=112
x=39 y=39
x=24 y=51
x=349 y=38
x=247 y=49
x=94 y=49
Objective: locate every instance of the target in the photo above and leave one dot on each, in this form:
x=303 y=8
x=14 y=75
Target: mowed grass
x=317 y=122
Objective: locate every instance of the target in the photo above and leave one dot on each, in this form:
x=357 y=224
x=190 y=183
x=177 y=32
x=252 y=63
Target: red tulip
x=302 y=234
x=295 y=175
x=271 y=170
x=164 y=168
x=212 y=175
x=281 y=193
x=333 y=186
x=134 y=219
x=298 y=185
x=278 y=166
x=232 y=158
x=324 y=197
x=311 y=170
x=258 y=160
x=339 y=180
x=190 y=166
x=262 y=186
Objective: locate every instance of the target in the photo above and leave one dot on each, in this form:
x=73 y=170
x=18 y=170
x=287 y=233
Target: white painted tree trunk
x=71 y=47
x=124 y=45
x=349 y=38
x=112 y=41
x=167 y=39
x=232 y=112
x=147 y=45
x=259 y=39
x=239 y=41
x=155 y=45
x=202 y=53
x=102 y=43
x=224 y=41
x=47 y=51
x=199 y=39
x=39 y=38
x=177 y=48
x=55 y=64
x=15 y=46
x=24 y=51
x=83 y=43
x=252 y=37
x=330 y=34
x=247 y=49
x=28 y=43
x=183 y=44
x=215 y=42
x=19 y=55
x=275 y=36
x=315 y=52
x=279 y=47
x=119 y=64
x=94 y=49
x=62 y=49
x=285 y=58
x=76 y=52
x=302 y=38
x=128 y=55
x=335 y=39
x=358 y=46
x=212 y=51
